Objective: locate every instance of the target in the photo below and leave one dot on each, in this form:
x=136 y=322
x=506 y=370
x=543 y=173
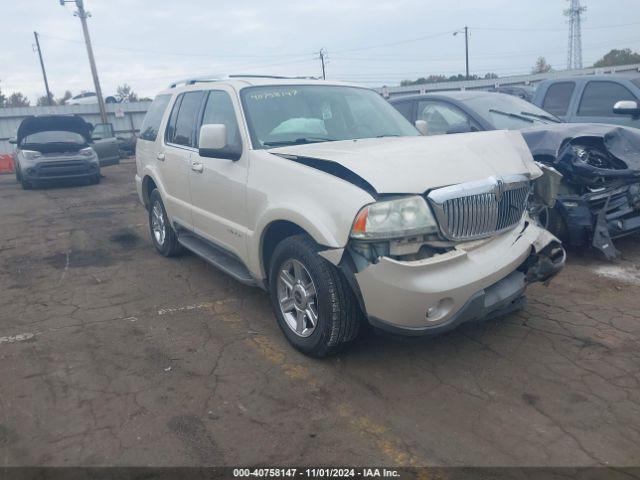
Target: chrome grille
x=478 y=209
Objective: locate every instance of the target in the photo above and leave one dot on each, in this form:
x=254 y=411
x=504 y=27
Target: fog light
x=619 y=224
x=30 y=171
x=431 y=311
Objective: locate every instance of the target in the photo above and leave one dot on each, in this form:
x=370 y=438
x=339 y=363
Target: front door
x=218 y=184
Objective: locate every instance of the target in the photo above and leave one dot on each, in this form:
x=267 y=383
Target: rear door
x=218 y=185
x=174 y=161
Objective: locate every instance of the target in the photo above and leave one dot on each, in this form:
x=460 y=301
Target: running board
x=218 y=257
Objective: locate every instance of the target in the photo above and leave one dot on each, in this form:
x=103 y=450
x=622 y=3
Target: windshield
x=295 y=114
x=54 y=136
x=506 y=112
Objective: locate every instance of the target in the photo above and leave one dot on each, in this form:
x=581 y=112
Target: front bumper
x=59 y=170
x=597 y=218
x=474 y=281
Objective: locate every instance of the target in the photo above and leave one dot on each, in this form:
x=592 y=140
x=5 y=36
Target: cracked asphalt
x=113 y=355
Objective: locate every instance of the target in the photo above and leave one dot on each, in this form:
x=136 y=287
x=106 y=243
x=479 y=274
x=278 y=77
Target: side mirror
x=213 y=143
x=627 y=107
x=421 y=126
x=13 y=140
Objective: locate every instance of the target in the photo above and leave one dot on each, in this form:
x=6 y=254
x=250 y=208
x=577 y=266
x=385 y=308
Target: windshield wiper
x=541 y=117
x=298 y=141
x=512 y=115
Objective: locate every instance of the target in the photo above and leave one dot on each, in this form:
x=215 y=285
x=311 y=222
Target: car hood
x=551 y=140
x=417 y=164
x=44 y=123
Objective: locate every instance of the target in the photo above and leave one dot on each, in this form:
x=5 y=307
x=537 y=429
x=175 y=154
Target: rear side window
x=153 y=118
x=599 y=98
x=558 y=97
x=181 y=128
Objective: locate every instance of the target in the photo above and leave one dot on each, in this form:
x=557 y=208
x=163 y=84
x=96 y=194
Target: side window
x=442 y=118
x=219 y=109
x=599 y=98
x=181 y=128
x=558 y=97
x=153 y=118
x=406 y=109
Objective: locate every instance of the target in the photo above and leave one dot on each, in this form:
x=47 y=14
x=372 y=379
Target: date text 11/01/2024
x=316 y=472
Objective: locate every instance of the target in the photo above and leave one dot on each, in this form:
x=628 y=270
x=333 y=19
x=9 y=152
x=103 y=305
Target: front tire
x=163 y=235
x=315 y=308
x=25 y=185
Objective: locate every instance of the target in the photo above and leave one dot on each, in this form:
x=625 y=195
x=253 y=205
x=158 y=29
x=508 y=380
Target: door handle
x=160 y=156
x=197 y=166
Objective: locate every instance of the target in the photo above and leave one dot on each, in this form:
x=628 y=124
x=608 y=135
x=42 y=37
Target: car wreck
x=599 y=197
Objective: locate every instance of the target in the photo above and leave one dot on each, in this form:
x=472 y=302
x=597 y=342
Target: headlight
x=30 y=154
x=394 y=218
x=87 y=152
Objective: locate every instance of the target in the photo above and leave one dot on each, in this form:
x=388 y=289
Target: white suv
x=325 y=196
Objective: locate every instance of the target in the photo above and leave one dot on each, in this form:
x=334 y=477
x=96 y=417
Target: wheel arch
x=148 y=185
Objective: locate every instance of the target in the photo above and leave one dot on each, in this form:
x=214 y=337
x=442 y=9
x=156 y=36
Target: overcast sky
x=148 y=43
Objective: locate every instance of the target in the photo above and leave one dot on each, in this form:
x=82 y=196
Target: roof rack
x=276 y=77
x=191 y=81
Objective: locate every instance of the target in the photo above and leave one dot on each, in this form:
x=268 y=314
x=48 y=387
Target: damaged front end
x=599 y=196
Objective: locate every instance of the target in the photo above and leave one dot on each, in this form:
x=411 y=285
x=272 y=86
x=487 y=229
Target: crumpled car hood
x=417 y=164
x=44 y=123
x=622 y=142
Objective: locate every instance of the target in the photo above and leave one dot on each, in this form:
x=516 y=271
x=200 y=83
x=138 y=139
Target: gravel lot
x=113 y=355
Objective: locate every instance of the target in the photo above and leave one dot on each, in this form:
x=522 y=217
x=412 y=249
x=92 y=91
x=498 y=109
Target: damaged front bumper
x=474 y=281
x=598 y=217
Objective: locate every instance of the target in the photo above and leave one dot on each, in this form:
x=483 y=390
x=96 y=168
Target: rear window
x=181 y=127
x=558 y=98
x=153 y=118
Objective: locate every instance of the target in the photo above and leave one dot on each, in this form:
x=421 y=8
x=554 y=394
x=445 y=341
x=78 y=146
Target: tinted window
x=184 y=131
x=599 y=98
x=442 y=118
x=219 y=109
x=151 y=123
x=558 y=97
x=406 y=109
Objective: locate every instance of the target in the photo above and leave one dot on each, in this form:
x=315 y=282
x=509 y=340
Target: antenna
x=574 y=51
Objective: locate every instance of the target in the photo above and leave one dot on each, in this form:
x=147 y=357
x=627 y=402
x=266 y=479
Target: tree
x=541 y=66
x=3 y=100
x=618 y=57
x=63 y=99
x=17 y=99
x=43 y=101
x=126 y=94
x=490 y=76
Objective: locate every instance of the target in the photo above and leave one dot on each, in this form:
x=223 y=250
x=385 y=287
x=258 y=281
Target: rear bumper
x=476 y=280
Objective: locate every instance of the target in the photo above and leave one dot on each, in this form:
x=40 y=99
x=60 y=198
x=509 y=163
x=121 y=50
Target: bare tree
x=126 y=94
x=541 y=66
x=63 y=99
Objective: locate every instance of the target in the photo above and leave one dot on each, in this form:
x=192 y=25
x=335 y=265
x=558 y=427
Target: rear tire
x=163 y=235
x=303 y=285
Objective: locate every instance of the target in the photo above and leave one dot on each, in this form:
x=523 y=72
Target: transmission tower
x=574 y=52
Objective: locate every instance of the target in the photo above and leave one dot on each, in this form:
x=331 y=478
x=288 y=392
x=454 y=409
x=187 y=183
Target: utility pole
x=44 y=72
x=322 y=55
x=83 y=14
x=466 y=48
